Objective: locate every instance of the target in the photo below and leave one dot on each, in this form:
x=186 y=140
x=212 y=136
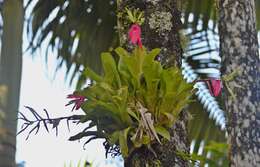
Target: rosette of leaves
x=135 y=102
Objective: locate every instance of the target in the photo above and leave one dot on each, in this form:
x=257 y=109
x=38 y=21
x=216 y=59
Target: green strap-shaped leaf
x=167 y=102
x=129 y=69
x=133 y=114
x=121 y=52
x=123 y=141
x=110 y=69
x=113 y=139
x=171 y=79
x=153 y=53
x=163 y=132
x=92 y=75
x=152 y=69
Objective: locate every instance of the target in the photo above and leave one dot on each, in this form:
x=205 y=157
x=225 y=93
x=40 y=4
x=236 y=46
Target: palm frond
x=200 y=22
x=206 y=12
x=78 y=30
x=202 y=131
x=196 y=11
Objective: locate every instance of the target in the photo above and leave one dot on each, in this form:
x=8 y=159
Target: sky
x=40 y=91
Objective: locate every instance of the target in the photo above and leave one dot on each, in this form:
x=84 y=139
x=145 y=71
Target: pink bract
x=215 y=86
x=78 y=100
x=135 y=35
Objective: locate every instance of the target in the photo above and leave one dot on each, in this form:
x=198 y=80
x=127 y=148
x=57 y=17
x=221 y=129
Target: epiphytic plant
x=134 y=103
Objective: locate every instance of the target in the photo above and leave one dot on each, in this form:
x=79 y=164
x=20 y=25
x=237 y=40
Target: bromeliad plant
x=134 y=103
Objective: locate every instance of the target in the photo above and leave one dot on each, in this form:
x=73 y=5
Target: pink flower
x=135 y=35
x=78 y=100
x=215 y=86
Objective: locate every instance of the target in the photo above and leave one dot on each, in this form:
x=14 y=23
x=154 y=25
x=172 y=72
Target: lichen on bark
x=239 y=50
x=160 y=21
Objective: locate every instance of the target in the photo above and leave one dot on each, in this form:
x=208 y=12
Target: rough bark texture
x=10 y=76
x=239 y=49
x=160 y=30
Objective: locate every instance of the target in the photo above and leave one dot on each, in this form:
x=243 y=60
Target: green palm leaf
x=78 y=30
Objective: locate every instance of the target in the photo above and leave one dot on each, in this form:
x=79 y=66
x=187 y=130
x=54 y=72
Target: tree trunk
x=10 y=76
x=160 y=30
x=239 y=49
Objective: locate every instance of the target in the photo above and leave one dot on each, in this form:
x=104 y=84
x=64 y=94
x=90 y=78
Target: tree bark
x=239 y=49
x=10 y=76
x=160 y=30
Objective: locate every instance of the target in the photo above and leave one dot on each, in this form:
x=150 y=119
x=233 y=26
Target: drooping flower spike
x=215 y=86
x=135 y=35
x=77 y=100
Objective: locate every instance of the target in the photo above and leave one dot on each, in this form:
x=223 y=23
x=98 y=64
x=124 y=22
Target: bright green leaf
x=123 y=142
x=163 y=132
x=110 y=69
x=92 y=75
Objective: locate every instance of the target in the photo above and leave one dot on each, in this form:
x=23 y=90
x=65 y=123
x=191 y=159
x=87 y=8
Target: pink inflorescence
x=135 y=35
x=77 y=100
x=215 y=86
